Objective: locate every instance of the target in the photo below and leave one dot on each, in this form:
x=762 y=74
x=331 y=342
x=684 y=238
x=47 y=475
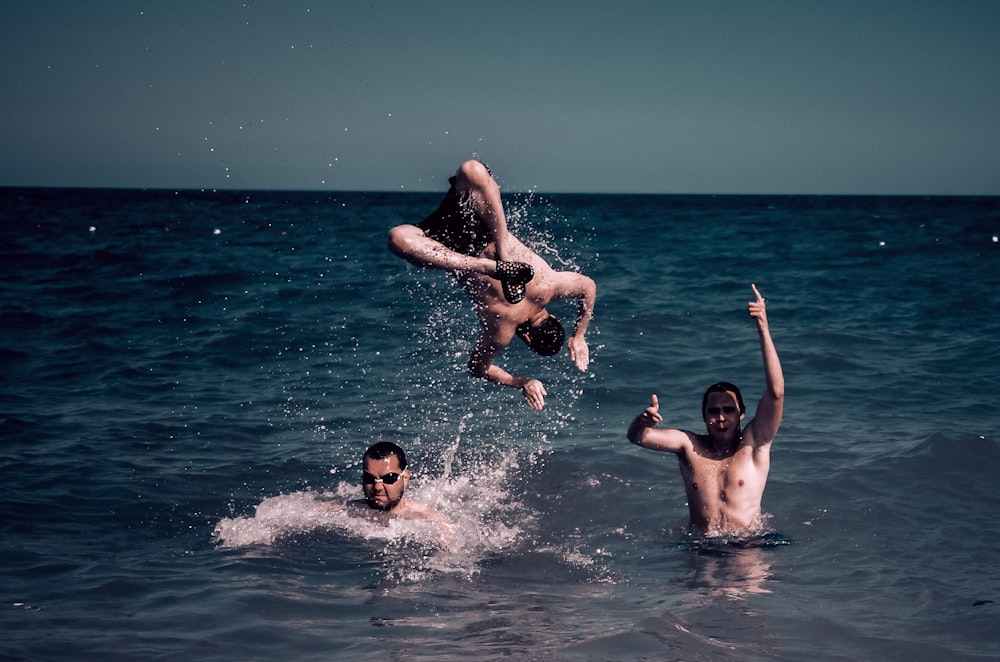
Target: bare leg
x=475 y=180
x=410 y=243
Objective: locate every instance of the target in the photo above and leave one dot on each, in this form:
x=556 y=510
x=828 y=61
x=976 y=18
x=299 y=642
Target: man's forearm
x=637 y=431
x=498 y=375
x=772 y=365
x=585 y=308
x=582 y=321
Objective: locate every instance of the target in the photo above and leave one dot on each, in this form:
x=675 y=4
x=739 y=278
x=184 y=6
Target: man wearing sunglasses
x=508 y=283
x=384 y=478
x=725 y=470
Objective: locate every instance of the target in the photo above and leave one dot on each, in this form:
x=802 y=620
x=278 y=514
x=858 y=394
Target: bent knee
x=400 y=238
x=474 y=172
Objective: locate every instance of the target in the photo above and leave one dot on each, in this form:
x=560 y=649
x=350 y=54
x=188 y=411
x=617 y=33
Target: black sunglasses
x=388 y=479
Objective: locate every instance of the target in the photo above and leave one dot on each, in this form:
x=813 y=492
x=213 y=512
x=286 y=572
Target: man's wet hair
x=384 y=449
x=722 y=387
x=545 y=339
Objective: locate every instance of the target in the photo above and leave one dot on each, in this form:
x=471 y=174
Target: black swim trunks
x=456 y=225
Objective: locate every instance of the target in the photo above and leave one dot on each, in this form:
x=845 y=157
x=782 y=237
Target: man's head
x=722 y=407
x=723 y=387
x=544 y=337
x=384 y=476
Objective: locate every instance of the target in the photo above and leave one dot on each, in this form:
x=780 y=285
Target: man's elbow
x=587 y=292
x=478 y=370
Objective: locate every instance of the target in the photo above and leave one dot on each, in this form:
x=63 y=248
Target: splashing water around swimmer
x=484 y=519
x=472 y=487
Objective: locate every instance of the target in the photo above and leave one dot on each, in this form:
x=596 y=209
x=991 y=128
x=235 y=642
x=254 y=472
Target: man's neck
x=723 y=445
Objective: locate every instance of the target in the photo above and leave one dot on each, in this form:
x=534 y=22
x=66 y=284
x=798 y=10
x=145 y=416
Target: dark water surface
x=187 y=376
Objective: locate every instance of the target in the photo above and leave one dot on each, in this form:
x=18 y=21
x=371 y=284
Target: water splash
x=483 y=519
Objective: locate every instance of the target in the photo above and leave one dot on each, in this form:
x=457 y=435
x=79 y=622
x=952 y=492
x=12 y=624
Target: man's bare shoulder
x=753 y=438
x=410 y=509
x=570 y=284
x=406 y=509
x=699 y=444
x=569 y=277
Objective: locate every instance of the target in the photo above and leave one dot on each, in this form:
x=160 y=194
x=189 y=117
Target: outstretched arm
x=768 y=417
x=444 y=528
x=481 y=365
x=643 y=432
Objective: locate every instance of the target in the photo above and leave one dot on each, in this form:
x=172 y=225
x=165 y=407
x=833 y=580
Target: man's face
x=534 y=323
x=722 y=415
x=375 y=480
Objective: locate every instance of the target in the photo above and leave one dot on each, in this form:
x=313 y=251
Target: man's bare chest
x=703 y=471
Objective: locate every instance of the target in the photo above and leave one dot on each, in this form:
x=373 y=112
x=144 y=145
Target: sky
x=722 y=97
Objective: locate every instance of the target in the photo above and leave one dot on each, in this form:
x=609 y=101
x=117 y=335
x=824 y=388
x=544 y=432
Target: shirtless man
x=725 y=470
x=384 y=478
x=508 y=283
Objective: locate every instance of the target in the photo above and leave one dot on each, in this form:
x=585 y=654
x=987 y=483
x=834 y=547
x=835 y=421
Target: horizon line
x=191 y=189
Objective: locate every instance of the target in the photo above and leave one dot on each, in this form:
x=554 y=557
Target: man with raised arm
x=508 y=283
x=726 y=469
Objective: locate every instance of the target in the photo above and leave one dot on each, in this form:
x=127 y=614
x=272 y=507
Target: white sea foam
x=482 y=519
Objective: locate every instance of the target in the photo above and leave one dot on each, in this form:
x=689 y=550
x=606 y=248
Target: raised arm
x=768 y=417
x=642 y=432
x=481 y=365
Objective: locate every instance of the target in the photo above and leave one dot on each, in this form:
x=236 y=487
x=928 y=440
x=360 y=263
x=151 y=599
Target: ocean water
x=187 y=376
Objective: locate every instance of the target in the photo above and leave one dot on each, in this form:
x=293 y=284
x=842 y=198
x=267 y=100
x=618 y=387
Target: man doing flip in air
x=508 y=284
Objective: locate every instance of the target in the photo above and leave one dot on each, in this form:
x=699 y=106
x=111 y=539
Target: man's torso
x=495 y=312
x=724 y=490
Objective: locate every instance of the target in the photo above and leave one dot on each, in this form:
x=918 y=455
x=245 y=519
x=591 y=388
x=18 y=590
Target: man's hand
x=645 y=422
x=534 y=393
x=757 y=309
x=651 y=416
x=579 y=352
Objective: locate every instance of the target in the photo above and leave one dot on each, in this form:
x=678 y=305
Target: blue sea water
x=187 y=376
